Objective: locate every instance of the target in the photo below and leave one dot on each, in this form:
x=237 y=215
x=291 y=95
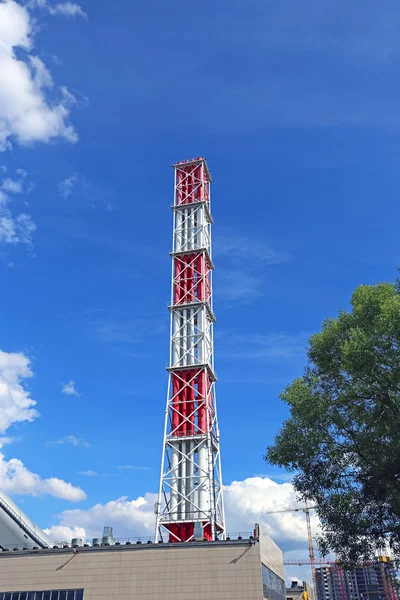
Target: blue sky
x=295 y=106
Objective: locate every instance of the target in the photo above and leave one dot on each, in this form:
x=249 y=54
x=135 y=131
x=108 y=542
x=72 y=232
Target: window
x=48 y=595
x=273 y=586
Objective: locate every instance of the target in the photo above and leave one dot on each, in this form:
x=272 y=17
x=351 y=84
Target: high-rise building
x=190 y=503
x=370 y=582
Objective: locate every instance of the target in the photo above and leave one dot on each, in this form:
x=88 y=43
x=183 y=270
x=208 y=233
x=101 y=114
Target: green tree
x=342 y=439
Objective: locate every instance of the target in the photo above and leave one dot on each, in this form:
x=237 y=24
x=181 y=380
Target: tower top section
x=192 y=182
x=194 y=161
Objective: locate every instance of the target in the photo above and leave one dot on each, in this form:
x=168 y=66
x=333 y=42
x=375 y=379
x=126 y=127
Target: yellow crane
x=306 y=509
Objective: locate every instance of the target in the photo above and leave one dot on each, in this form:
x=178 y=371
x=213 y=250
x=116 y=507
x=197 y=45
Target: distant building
x=297 y=589
x=238 y=569
x=372 y=582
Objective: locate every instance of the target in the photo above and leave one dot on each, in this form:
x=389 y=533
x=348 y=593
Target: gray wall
x=271 y=554
x=214 y=572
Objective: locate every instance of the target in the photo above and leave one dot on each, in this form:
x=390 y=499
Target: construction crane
x=306 y=509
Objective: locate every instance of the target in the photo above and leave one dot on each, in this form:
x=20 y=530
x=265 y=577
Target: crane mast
x=306 y=509
x=311 y=547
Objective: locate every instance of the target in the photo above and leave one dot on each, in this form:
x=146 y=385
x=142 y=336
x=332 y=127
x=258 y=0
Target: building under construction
x=370 y=582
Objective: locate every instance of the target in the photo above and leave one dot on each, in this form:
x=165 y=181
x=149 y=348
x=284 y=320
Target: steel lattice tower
x=190 y=502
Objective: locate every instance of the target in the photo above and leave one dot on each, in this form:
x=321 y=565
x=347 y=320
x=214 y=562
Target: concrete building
x=370 y=582
x=242 y=569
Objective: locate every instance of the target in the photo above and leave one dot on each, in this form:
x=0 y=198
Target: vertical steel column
x=190 y=501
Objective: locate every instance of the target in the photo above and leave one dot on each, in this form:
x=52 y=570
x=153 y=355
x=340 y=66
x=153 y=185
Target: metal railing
x=137 y=540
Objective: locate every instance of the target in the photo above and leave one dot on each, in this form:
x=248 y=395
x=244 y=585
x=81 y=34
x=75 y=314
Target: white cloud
x=69 y=389
x=15 y=478
x=69 y=439
x=16 y=230
x=66 y=187
x=10 y=185
x=31 y=108
x=89 y=473
x=129 y=518
x=67 y=9
x=60 y=533
x=16 y=404
x=4 y=441
x=246 y=503
x=39 y=3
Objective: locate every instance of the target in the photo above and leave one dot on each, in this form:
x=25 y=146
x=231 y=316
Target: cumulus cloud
x=69 y=439
x=32 y=109
x=15 y=478
x=67 y=9
x=246 y=503
x=16 y=404
x=69 y=389
x=128 y=518
x=60 y=533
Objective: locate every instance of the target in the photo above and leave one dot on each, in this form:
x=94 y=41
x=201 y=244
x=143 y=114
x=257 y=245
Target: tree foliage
x=342 y=440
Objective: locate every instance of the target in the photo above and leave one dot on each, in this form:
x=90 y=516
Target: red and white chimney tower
x=190 y=502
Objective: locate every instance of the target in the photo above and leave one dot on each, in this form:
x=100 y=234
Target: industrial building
x=240 y=569
x=299 y=590
x=375 y=581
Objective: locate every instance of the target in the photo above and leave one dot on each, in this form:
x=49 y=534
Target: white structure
x=17 y=530
x=190 y=503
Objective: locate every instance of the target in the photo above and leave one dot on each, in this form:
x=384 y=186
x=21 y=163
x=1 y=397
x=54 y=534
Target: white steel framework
x=190 y=501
